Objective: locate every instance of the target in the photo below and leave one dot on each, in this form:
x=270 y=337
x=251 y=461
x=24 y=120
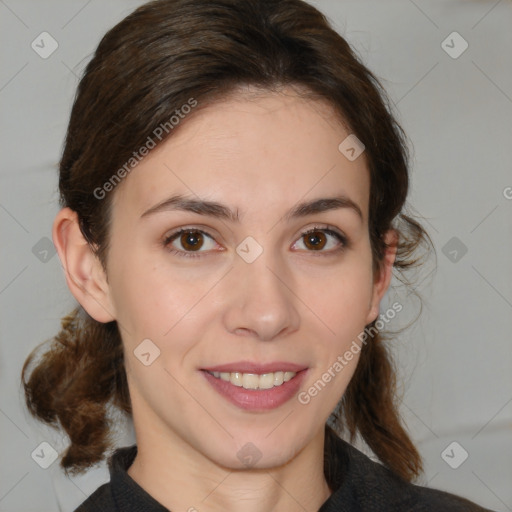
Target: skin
x=259 y=154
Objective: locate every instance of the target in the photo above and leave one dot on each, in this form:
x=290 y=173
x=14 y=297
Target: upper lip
x=252 y=367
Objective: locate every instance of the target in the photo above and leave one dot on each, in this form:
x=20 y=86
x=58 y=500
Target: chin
x=259 y=453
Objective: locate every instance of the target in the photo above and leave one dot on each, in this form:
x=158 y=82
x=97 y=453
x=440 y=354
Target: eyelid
x=331 y=230
x=168 y=238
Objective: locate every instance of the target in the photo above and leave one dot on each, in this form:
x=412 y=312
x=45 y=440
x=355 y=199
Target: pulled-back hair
x=144 y=69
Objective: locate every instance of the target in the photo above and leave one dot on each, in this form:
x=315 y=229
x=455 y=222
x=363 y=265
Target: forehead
x=253 y=152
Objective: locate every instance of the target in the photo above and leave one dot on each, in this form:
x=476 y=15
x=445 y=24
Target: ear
x=383 y=277
x=85 y=275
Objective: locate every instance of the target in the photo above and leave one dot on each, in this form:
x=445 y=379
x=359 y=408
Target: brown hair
x=146 y=67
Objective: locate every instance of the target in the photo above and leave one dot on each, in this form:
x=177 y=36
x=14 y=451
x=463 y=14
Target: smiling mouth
x=257 y=392
x=253 y=380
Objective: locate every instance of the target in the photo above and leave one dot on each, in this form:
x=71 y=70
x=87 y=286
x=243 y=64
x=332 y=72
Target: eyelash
x=190 y=254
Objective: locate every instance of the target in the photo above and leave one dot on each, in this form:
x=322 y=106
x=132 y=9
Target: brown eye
x=315 y=240
x=191 y=240
x=324 y=241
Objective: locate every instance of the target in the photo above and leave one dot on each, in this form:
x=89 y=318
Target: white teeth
x=278 y=378
x=253 y=380
x=250 y=381
x=235 y=378
x=288 y=375
x=266 y=381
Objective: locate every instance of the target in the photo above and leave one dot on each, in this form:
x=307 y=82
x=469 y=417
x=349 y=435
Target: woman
x=232 y=186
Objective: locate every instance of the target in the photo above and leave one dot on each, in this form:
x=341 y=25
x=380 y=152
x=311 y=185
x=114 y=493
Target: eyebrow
x=220 y=211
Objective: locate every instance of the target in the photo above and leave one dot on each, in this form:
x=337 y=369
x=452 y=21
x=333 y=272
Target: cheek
x=341 y=306
x=149 y=298
x=340 y=298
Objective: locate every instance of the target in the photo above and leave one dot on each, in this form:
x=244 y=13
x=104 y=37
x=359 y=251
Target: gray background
x=455 y=362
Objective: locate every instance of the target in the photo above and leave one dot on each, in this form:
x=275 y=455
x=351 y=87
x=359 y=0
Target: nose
x=261 y=300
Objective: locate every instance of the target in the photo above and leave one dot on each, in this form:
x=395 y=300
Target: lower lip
x=257 y=399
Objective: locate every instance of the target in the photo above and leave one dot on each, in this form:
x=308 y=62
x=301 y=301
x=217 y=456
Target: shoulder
x=105 y=498
x=100 y=499
x=368 y=485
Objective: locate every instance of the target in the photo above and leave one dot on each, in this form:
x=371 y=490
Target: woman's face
x=246 y=284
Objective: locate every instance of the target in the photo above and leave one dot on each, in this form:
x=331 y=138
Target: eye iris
x=191 y=240
x=317 y=239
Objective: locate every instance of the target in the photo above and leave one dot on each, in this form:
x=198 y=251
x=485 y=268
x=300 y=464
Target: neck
x=181 y=478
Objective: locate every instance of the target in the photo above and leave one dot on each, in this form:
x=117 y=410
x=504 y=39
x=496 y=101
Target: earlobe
x=84 y=273
x=381 y=284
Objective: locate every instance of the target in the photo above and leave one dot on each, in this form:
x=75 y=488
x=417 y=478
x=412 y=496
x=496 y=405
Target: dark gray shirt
x=359 y=484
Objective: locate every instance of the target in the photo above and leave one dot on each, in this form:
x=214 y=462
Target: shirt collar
x=128 y=495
